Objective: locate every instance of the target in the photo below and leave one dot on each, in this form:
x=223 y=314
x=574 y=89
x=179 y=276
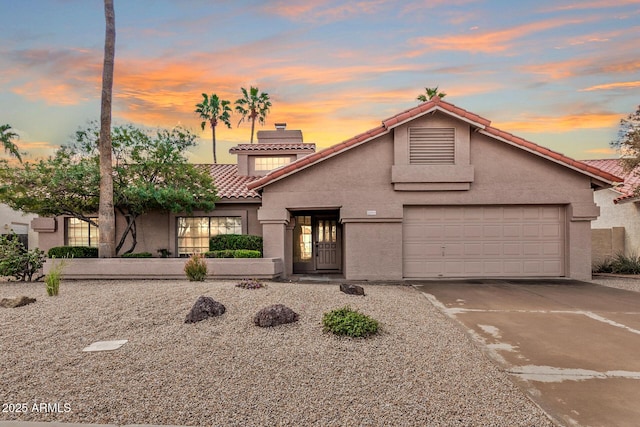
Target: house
x=434 y=191
x=617 y=230
x=14 y=222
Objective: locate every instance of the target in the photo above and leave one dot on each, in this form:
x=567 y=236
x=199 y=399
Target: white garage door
x=483 y=241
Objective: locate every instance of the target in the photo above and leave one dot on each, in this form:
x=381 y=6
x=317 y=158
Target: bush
x=620 y=264
x=250 y=284
x=231 y=253
x=72 y=252
x=52 y=279
x=17 y=261
x=235 y=241
x=345 y=321
x=196 y=268
x=138 y=255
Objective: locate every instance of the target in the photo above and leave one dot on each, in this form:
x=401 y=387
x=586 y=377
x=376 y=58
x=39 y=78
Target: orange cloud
x=544 y=124
x=605 y=151
x=617 y=85
x=322 y=10
x=598 y=4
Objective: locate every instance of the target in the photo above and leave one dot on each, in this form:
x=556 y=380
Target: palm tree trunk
x=106 y=214
x=213 y=131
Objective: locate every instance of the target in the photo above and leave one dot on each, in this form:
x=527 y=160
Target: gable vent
x=431 y=146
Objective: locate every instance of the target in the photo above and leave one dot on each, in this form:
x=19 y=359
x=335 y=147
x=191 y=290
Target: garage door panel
x=483 y=241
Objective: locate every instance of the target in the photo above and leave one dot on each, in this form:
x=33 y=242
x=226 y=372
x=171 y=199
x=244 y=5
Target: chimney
x=281 y=126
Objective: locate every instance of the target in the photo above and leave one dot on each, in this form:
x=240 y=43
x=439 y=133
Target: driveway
x=573 y=346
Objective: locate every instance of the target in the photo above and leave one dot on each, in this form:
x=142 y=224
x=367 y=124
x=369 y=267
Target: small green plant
x=349 y=322
x=250 y=284
x=52 y=279
x=17 y=261
x=164 y=253
x=196 y=268
x=620 y=264
x=138 y=255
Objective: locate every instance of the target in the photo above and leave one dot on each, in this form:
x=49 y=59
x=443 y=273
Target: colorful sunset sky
x=559 y=73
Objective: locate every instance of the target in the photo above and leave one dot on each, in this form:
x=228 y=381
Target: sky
x=560 y=73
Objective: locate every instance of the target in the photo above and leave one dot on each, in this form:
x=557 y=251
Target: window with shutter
x=431 y=146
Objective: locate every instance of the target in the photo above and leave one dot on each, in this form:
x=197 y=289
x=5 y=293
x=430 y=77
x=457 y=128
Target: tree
x=430 y=93
x=151 y=172
x=254 y=106
x=106 y=214
x=7 y=136
x=628 y=140
x=212 y=109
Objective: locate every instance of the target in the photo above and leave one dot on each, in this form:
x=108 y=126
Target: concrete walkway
x=573 y=346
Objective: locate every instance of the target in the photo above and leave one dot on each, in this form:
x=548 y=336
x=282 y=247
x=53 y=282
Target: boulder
x=274 y=315
x=350 y=289
x=16 y=302
x=204 y=308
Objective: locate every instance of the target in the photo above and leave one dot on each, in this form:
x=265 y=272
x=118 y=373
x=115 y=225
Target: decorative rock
x=351 y=289
x=16 y=302
x=204 y=308
x=274 y=315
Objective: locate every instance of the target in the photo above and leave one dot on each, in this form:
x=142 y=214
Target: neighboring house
x=18 y=222
x=617 y=230
x=433 y=192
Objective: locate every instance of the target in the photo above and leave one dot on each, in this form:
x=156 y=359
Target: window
x=270 y=163
x=194 y=232
x=431 y=146
x=82 y=233
x=302 y=238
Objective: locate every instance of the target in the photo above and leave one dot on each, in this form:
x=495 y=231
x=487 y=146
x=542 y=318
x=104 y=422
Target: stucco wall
x=359 y=180
x=625 y=215
x=17 y=222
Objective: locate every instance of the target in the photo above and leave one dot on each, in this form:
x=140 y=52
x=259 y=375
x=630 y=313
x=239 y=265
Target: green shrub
x=345 y=321
x=246 y=253
x=196 y=268
x=72 y=252
x=235 y=241
x=250 y=284
x=164 y=253
x=620 y=264
x=225 y=253
x=138 y=255
x=52 y=279
x=17 y=261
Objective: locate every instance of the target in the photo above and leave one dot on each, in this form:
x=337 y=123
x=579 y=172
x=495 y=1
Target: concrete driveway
x=573 y=346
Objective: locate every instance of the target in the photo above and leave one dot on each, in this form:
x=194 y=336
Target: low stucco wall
x=166 y=268
x=606 y=243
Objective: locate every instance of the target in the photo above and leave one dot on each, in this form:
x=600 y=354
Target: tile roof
x=273 y=146
x=229 y=184
x=435 y=104
x=631 y=178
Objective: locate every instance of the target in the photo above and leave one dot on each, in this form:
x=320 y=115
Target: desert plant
x=196 y=268
x=235 y=241
x=52 y=279
x=620 y=264
x=73 y=252
x=250 y=284
x=138 y=255
x=17 y=261
x=349 y=322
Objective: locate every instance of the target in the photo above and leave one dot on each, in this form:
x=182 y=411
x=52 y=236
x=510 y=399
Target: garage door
x=483 y=241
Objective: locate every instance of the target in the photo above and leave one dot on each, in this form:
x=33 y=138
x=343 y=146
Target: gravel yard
x=629 y=283
x=421 y=370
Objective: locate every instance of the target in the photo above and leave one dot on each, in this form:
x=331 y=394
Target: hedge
x=235 y=241
x=138 y=255
x=230 y=253
x=72 y=252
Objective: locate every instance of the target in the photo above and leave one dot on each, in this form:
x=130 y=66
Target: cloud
x=605 y=151
x=322 y=11
x=597 y=4
x=583 y=67
x=546 y=124
x=617 y=85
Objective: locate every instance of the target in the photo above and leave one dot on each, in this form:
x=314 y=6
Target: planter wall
x=167 y=268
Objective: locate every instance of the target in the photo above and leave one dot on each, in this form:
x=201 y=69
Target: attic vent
x=431 y=146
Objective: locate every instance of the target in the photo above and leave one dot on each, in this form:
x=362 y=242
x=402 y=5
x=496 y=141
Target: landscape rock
x=273 y=315
x=204 y=308
x=16 y=302
x=350 y=289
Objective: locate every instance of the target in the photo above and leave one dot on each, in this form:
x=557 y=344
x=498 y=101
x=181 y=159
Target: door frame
x=311 y=267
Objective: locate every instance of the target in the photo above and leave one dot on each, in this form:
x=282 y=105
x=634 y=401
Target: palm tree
x=7 y=136
x=430 y=93
x=106 y=214
x=253 y=105
x=212 y=109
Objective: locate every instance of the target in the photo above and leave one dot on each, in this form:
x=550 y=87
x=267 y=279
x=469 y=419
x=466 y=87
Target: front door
x=326 y=242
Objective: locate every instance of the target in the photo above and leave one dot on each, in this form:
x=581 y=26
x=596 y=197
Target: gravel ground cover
x=629 y=283
x=421 y=370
